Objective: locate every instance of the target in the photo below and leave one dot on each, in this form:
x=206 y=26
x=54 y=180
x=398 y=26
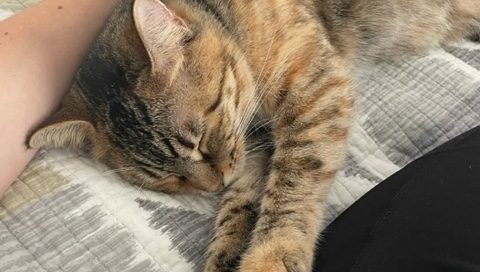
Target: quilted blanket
x=67 y=213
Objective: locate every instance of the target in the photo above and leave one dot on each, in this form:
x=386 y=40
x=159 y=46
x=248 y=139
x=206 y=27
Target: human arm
x=40 y=50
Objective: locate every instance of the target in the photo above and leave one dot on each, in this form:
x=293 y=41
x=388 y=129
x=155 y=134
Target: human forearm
x=40 y=50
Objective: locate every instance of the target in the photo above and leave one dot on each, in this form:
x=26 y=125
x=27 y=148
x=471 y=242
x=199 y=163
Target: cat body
x=170 y=96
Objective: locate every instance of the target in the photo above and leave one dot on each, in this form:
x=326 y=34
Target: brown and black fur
x=168 y=97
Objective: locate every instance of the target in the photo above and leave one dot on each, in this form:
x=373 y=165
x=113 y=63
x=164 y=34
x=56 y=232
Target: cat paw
x=275 y=258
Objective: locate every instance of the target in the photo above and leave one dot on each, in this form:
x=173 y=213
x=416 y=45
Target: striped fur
x=173 y=91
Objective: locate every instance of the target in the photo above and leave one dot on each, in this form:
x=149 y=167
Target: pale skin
x=40 y=51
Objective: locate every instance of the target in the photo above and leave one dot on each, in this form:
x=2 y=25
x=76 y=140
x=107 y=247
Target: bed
x=67 y=213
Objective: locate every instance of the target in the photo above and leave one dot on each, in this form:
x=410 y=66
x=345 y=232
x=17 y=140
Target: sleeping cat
x=173 y=94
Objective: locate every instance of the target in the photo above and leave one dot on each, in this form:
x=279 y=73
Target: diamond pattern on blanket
x=61 y=229
x=189 y=231
x=413 y=106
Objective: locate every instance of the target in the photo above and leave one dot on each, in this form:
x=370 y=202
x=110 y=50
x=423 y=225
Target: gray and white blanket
x=66 y=213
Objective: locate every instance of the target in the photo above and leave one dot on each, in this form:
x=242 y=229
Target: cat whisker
x=258 y=103
x=259 y=78
x=260 y=148
x=139 y=189
x=257 y=127
x=250 y=113
x=254 y=147
x=260 y=75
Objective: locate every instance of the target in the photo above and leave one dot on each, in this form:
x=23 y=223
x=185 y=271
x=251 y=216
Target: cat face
x=194 y=133
x=197 y=95
x=182 y=129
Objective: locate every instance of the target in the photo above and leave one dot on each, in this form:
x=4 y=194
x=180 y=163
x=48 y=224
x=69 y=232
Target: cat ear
x=162 y=33
x=64 y=130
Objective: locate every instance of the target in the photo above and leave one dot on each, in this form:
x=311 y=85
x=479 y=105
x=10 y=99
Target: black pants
x=424 y=218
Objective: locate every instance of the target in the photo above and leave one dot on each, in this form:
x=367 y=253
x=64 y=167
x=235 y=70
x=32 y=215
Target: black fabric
x=424 y=218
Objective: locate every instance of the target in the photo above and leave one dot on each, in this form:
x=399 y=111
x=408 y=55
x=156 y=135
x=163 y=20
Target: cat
x=170 y=91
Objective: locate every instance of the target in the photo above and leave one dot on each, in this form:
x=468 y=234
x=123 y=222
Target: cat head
x=179 y=126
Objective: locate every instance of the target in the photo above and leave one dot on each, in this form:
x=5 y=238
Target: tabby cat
x=170 y=91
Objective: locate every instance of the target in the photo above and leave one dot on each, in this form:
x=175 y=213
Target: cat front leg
x=236 y=217
x=310 y=137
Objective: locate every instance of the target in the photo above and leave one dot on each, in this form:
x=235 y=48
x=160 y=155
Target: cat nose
x=226 y=178
x=206 y=183
x=226 y=173
x=207 y=177
x=214 y=187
